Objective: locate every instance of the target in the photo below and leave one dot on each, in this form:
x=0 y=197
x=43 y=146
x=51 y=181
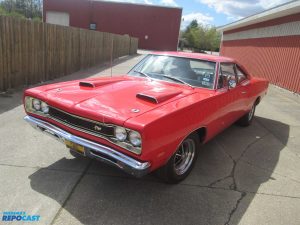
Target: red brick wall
x=160 y=24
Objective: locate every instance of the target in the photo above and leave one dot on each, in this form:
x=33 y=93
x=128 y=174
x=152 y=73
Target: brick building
x=157 y=27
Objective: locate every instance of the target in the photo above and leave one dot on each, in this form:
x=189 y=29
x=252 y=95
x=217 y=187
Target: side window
x=241 y=76
x=226 y=70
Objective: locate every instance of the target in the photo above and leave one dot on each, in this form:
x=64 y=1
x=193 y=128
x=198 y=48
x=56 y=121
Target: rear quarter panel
x=258 y=89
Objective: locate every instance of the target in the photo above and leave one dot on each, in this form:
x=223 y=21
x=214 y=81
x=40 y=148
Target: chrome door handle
x=244 y=92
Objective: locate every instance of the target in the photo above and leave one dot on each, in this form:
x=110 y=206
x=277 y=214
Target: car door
x=232 y=98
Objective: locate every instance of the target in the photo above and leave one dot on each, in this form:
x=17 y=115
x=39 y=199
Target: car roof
x=192 y=55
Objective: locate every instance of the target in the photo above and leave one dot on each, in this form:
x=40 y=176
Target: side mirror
x=231 y=82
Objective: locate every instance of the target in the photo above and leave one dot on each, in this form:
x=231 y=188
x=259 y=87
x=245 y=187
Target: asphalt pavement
x=243 y=176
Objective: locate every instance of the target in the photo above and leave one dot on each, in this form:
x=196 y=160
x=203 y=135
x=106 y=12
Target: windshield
x=197 y=73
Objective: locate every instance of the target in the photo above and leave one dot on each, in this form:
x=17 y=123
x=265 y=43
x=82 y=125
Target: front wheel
x=246 y=120
x=182 y=162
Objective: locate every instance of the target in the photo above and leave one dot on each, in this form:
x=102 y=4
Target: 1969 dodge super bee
x=154 y=117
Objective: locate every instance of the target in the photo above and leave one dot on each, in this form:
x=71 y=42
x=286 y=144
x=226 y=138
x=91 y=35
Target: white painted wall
x=285 y=29
x=58 y=18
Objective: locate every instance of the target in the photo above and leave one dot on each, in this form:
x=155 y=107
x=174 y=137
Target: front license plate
x=75 y=147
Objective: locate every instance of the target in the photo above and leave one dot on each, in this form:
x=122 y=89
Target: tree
x=2 y=12
x=194 y=24
x=22 y=8
x=200 y=37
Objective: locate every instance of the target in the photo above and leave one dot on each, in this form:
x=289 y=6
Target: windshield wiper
x=142 y=73
x=166 y=76
x=177 y=79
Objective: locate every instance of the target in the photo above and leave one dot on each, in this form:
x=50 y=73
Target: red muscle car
x=154 y=117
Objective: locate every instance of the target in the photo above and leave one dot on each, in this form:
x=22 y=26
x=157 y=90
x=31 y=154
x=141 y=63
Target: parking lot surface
x=243 y=176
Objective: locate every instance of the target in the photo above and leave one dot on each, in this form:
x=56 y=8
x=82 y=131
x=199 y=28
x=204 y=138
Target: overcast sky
x=214 y=12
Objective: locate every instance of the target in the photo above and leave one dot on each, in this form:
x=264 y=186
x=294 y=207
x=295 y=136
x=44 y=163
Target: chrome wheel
x=184 y=156
x=251 y=113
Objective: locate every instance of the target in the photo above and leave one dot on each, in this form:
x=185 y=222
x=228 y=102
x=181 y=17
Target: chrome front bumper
x=93 y=149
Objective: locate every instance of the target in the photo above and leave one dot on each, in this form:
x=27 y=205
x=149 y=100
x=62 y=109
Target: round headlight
x=135 y=138
x=45 y=107
x=36 y=104
x=120 y=133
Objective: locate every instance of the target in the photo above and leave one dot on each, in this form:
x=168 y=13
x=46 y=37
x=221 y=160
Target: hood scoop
x=97 y=83
x=86 y=84
x=157 y=95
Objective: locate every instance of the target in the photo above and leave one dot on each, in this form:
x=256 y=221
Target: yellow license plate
x=75 y=147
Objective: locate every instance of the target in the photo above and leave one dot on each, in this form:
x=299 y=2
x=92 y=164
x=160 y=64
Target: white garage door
x=59 y=18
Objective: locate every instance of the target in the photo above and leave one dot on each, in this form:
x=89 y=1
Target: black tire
x=172 y=173
x=247 y=119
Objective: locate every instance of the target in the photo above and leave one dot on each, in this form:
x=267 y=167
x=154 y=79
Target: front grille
x=81 y=123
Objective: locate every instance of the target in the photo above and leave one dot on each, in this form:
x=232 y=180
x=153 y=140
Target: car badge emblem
x=135 y=110
x=97 y=128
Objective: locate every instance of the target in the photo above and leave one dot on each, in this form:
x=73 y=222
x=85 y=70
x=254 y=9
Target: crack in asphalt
x=219 y=180
x=231 y=175
x=233 y=186
x=243 y=195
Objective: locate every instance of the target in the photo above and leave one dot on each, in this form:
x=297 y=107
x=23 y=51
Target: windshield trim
x=135 y=67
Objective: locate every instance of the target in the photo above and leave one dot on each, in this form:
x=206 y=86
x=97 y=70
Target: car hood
x=111 y=100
